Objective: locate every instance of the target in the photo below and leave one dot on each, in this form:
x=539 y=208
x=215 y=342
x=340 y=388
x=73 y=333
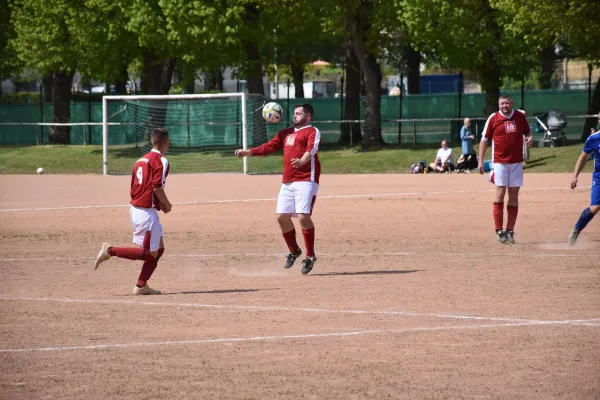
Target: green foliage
x=42 y=38
x=19 y=98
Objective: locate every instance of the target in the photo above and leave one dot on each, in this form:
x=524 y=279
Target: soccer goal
x=204 y=130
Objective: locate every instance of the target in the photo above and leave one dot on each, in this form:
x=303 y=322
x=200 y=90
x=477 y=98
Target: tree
x=472 y=35
x=9 y=65
x=572 y=24
x=44 y=43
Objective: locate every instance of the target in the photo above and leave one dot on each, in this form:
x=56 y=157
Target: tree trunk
x=213 y=80
x=298 y=76
x=352 y=101
x=47 y=83
x=254 y=75
x=156 y=74
x=359 y=25
x=61 y=112
x=156 y=79
x=491 y=86
x=488 y=68
x=121 y=83
x=593 y=108
x=413 y=70
x=547 y=68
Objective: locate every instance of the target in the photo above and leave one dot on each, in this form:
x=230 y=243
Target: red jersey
x=506 y=134
x=149 y=172
x=295 y=142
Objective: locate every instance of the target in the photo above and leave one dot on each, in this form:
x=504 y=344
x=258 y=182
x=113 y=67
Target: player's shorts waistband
x=152 y=209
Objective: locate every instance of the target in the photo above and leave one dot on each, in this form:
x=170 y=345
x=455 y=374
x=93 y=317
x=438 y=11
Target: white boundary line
x=590 y=322
x=349 y=196
x=269 y=338
x=574 y=254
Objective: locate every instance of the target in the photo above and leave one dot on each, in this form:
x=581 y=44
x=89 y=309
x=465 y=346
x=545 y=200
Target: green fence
x=571 y=102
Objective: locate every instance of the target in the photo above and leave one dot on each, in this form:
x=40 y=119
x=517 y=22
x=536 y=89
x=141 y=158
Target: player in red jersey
x=148 y=196
x=505 y=129
x=301 y=171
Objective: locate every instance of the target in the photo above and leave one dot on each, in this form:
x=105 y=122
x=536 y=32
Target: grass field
x=335 y=160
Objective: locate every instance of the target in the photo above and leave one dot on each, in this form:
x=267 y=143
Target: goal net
x=204 y=131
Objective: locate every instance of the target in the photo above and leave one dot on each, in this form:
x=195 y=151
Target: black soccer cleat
x=291 y=258
x=501 y=235
x=510 y=236
x=307 y=264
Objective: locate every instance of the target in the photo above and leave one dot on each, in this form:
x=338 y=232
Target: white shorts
x=510 y=175
x=297 y=198
x=147 y=230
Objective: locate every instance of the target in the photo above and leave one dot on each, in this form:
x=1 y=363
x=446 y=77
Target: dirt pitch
x=411 y=297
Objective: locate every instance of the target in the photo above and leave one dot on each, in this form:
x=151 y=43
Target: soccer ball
x=40 y=170
x=272 y=112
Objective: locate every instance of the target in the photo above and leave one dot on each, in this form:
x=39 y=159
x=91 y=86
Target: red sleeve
x=488 y=129
x=526 y=128
x=314 y=139
x=159 y=174
x=270 y=147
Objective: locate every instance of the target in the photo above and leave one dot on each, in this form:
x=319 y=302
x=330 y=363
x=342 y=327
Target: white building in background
x=312 y=90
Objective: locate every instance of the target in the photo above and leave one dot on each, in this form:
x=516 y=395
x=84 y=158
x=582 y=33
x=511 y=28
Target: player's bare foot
x=102 y=255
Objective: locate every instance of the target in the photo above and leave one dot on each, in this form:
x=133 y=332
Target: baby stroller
x=552 y=125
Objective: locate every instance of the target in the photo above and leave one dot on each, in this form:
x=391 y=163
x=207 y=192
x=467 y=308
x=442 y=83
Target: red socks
x=130 y=253
x=499 y=215
x=134 y=253
x=290 y=240
x=512 y=212
x=512 y=217
x=309 y=241
x=147 y=270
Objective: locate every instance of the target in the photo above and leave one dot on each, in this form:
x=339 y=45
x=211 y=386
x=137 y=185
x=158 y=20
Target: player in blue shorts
x=592 y=146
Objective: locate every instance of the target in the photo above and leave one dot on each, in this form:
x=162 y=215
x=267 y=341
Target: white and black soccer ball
x=272 y=112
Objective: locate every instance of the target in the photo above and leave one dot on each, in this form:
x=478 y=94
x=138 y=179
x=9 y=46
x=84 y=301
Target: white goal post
x=196 y=122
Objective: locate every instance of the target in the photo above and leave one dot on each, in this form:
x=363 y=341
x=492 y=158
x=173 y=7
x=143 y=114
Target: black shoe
x=291 y=258
x=510 y=236
x=501 y=235
x=307 y=264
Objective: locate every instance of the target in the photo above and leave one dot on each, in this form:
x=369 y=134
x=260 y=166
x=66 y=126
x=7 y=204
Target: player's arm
x=579 y=167
x=165 y=204
x=312 y=147
x=159 y=178
x=528 y=135
x=268 y=148
x=483 y=144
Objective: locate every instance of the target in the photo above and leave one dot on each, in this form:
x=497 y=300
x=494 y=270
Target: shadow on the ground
x=536 y=162
x=395 y=272
x=222 y=291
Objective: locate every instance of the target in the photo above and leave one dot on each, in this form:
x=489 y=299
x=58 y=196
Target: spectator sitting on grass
x=443 y=161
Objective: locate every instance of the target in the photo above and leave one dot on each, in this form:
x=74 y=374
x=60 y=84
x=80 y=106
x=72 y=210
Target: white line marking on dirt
x=349 y=196
x=268 y=338
x=390 y=254
x=305 y=309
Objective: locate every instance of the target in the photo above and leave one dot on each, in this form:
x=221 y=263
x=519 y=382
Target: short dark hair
x=308 y=109
x=159 y=135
